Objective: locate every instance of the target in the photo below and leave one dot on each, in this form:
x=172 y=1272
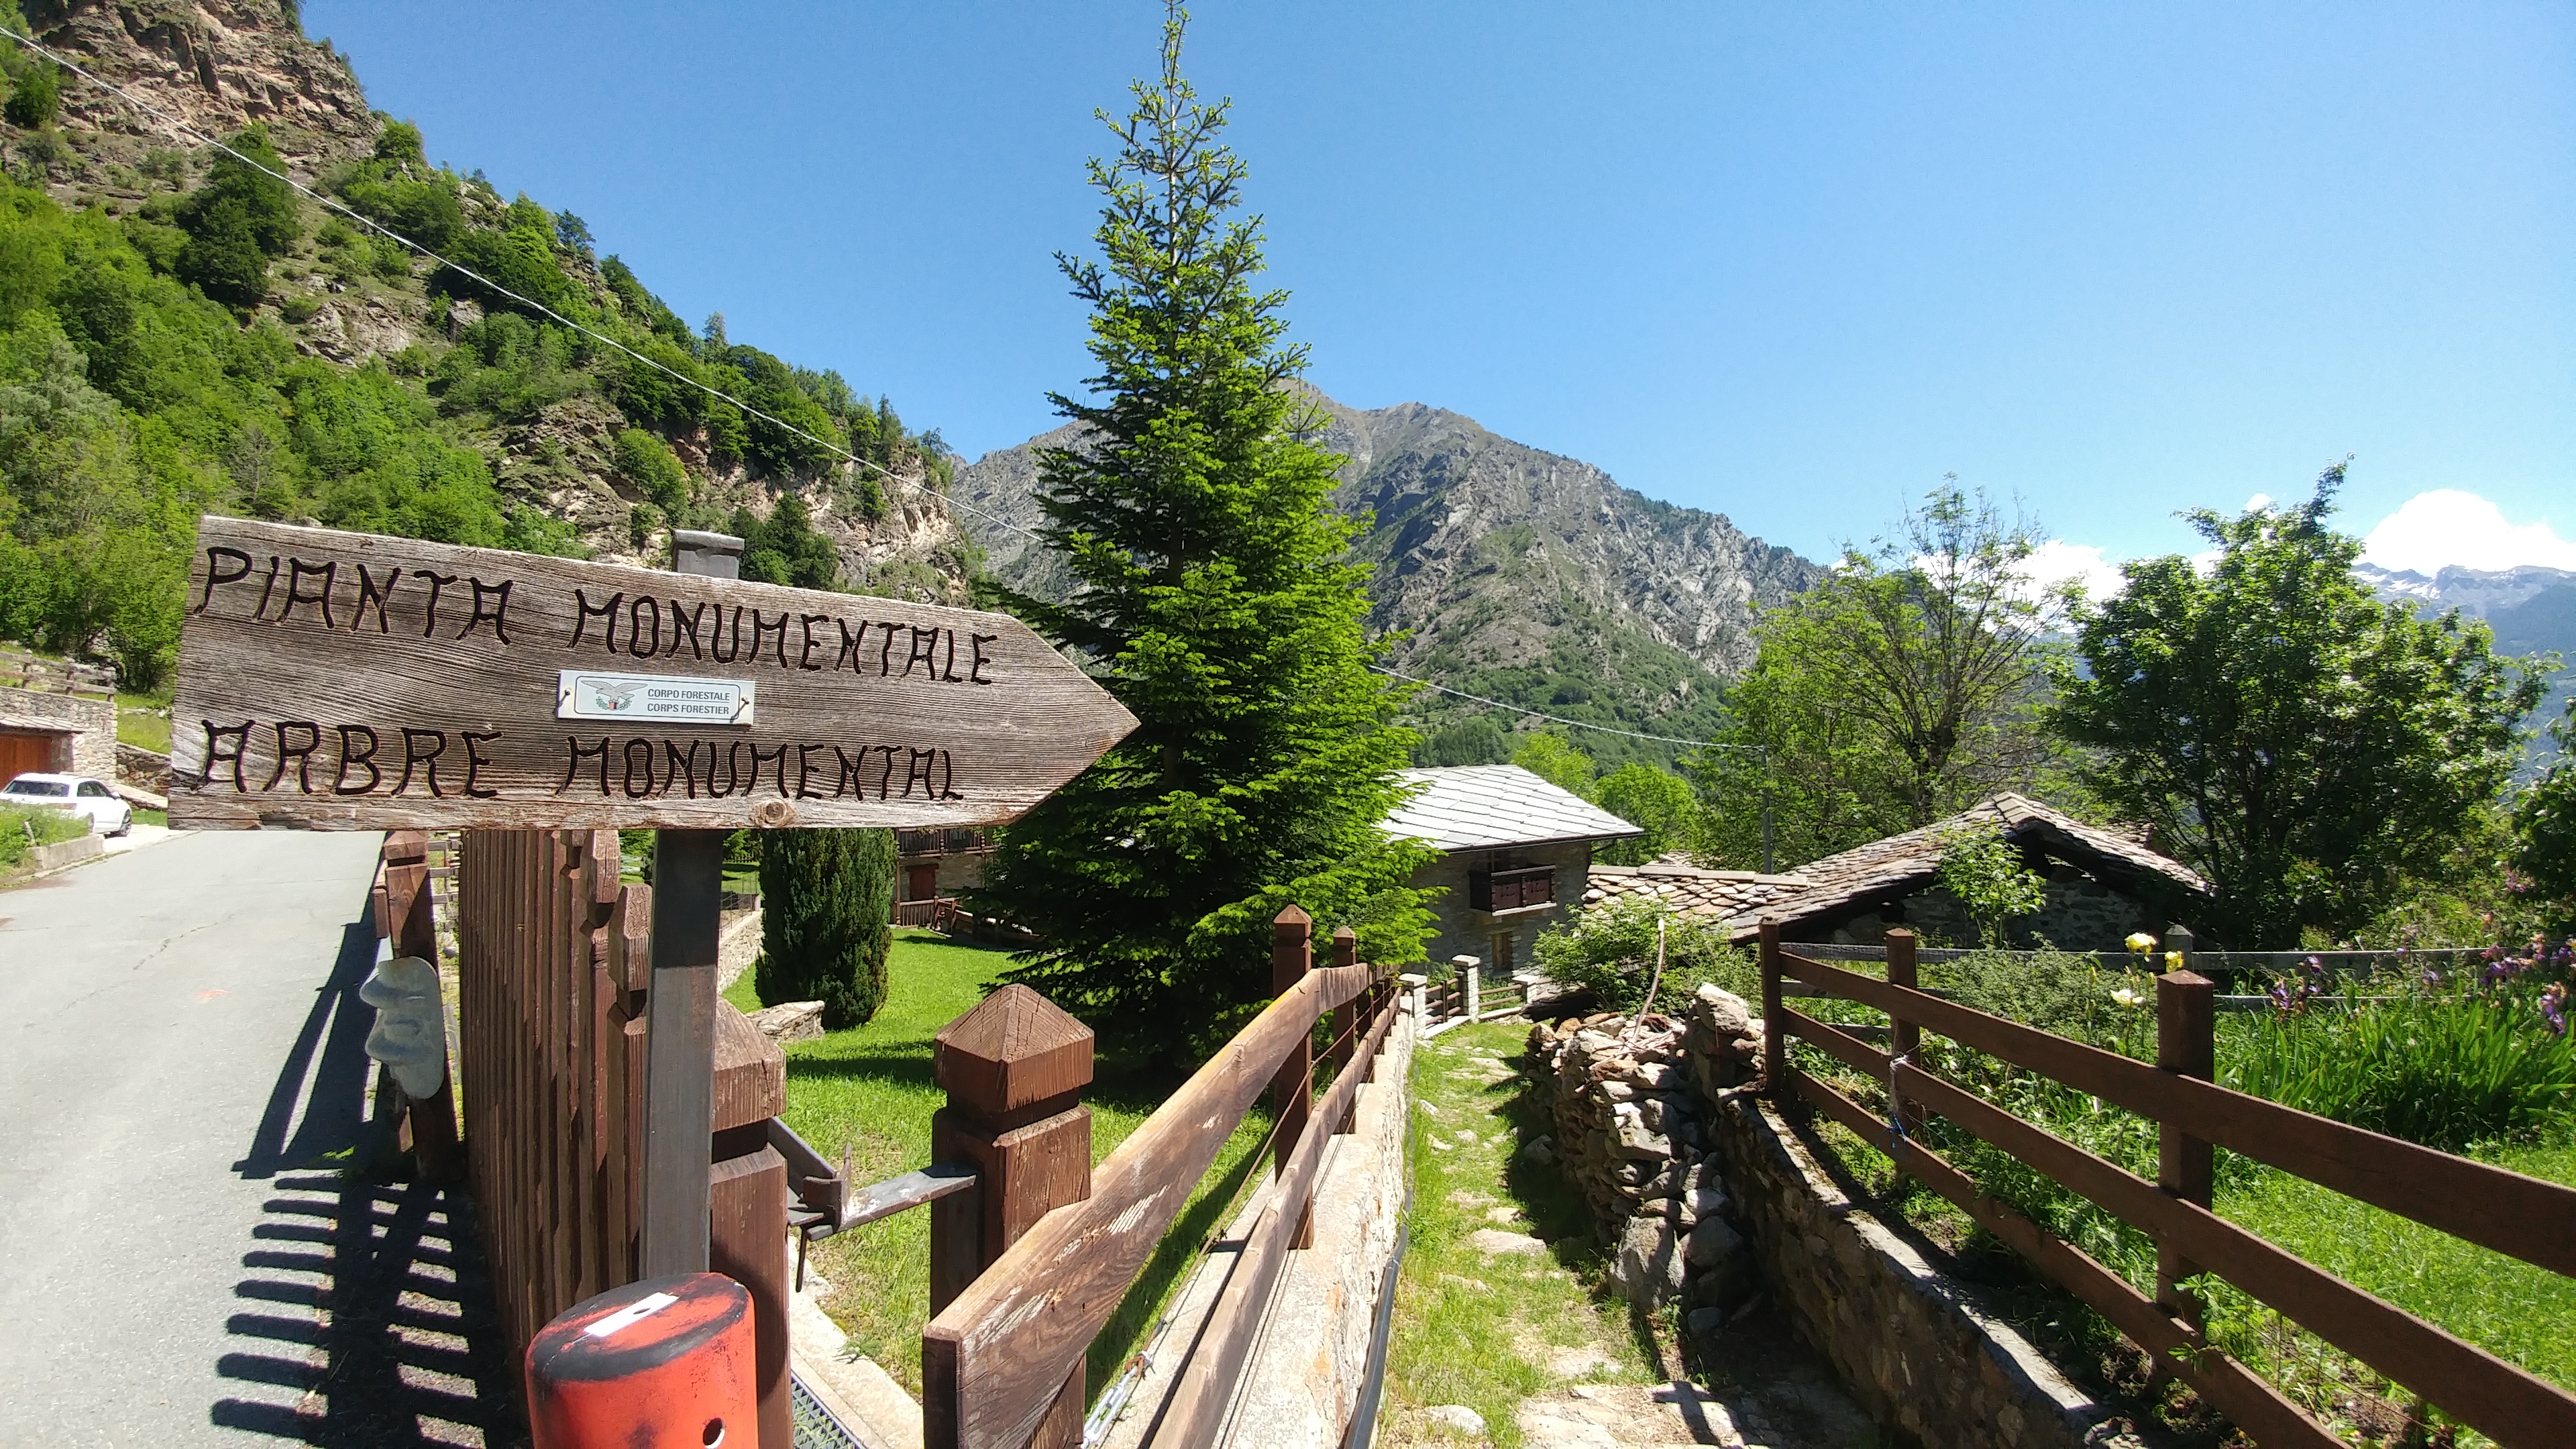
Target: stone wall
x=1631 y=1135
x=1712 y=1199
x=1464 y=931
x=91 y=723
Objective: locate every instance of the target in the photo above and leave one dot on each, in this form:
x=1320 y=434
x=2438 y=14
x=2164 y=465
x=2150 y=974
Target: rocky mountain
x=1514 y=573
x=2531 y=609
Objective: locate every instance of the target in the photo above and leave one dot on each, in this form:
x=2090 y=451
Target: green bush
x=2446 y=1072
x=2056 y=991
x=646 y=462
x=36 y=98
x=23 y=827
x=826 y=899
x=1610 y=949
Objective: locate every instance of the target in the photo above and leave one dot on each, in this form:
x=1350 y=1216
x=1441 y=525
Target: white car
x=108 y=814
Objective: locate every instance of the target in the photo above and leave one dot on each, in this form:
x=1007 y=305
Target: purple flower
x=2553 y=1009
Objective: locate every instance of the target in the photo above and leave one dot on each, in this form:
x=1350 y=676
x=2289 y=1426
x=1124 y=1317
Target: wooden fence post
x=1775 y=1036
x=2186 y=1045
x=1350 y=1019
x=412 y=929
x=1292 y=1091
x=1903 y=1036
x=1012 y=1068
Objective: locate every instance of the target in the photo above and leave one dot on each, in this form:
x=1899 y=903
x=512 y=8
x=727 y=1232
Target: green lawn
x=143 y=721
x=2518 y=1312
x=1489 y=1330
x=868 y=1089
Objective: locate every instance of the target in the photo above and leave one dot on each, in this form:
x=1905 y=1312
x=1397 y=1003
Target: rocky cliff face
x=216 y=66
x=1510 y=568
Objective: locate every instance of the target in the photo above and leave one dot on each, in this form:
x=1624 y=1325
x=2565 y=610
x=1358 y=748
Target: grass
x=2523 y=1314
x=143 y=721
x=868 y=1089
x=47 y=826
x=1488 y=1331
x=2441 y=1070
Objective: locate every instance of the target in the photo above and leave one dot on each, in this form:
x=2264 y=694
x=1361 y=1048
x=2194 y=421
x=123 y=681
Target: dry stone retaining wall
x=1712 y=1200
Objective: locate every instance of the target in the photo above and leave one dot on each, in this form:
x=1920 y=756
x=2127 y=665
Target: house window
x=1512 y=890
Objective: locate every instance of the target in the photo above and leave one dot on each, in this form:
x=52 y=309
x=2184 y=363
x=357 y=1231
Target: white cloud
x=2446 y=526
x=2259 y=500
x=2083 y=562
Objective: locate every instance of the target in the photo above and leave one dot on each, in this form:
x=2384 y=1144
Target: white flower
x=2126 y=997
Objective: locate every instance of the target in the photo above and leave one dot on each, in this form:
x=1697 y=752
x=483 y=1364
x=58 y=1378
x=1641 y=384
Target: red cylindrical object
x=662 y=1364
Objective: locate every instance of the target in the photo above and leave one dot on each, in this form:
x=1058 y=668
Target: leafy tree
x=2544 y=829
x=1989 y=878
x=1553 y=758
x=826 y=899
x=1659 y=801
x=1903 y=687
x=36 y=98
x=2302 y=745
x=572 y=233
x=1610 y=949
x=785 y=548
x=1213 y=597
x=646 y=463
x=400 y=143
x=1475 y=740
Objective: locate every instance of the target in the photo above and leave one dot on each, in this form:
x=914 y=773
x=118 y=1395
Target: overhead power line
x=329 y=203
x=1560 y=719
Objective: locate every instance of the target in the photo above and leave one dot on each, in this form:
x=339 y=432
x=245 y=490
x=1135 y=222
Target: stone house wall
x=90 y=723
x=1711 y=1199
x=1465 y=931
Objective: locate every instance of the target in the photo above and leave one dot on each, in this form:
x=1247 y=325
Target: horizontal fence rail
x=2505 y=1211
x=995 y=1358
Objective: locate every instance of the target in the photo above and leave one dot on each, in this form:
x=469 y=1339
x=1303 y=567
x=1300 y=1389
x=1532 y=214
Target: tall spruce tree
x=827 y=897
x=1212 y=596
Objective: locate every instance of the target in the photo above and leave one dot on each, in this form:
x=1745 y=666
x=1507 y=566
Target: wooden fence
x=554 y=958
x=2505 y=1211
x=1029 y=1263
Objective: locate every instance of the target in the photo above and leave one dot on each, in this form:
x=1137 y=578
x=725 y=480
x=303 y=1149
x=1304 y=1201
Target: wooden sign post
x=345 y=681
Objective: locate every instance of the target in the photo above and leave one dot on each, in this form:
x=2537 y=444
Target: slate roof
x=1493 y=807
x=1896 y=866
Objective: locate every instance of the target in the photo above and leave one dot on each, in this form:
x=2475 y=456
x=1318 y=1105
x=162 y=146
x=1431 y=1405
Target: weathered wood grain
x=1208 y=1381
x=334 y=680
x=993 y=1358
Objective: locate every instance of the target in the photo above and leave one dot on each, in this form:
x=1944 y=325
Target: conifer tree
x=827 y=900
x=1212 y=596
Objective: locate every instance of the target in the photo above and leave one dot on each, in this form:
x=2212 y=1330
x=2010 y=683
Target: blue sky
x=1789 y=262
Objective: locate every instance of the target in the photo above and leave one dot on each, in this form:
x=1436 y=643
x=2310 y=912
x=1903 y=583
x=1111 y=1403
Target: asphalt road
x=183 y=1259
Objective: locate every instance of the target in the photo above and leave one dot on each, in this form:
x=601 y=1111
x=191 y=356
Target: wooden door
x=23 y=753
x=920 y=882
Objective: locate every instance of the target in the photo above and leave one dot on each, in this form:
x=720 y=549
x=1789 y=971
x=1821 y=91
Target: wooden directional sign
x=346 y=681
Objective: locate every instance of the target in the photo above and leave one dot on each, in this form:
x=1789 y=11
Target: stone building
x=2101 y=885
x=1515 y=856
x=55 y=732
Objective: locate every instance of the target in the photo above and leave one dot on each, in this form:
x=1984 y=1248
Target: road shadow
x=365 y=1311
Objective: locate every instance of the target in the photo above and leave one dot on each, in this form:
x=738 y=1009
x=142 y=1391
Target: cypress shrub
x=826 y=897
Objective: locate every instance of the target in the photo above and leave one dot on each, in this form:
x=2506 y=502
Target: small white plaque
x=664 y=698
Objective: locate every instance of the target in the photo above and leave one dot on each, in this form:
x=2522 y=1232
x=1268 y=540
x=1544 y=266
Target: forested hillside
x=180 y=333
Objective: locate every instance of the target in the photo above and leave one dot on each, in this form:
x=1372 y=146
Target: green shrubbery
x=1609 y=950
x=826 y=899
x=22 y=828
x=2446 y=1068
